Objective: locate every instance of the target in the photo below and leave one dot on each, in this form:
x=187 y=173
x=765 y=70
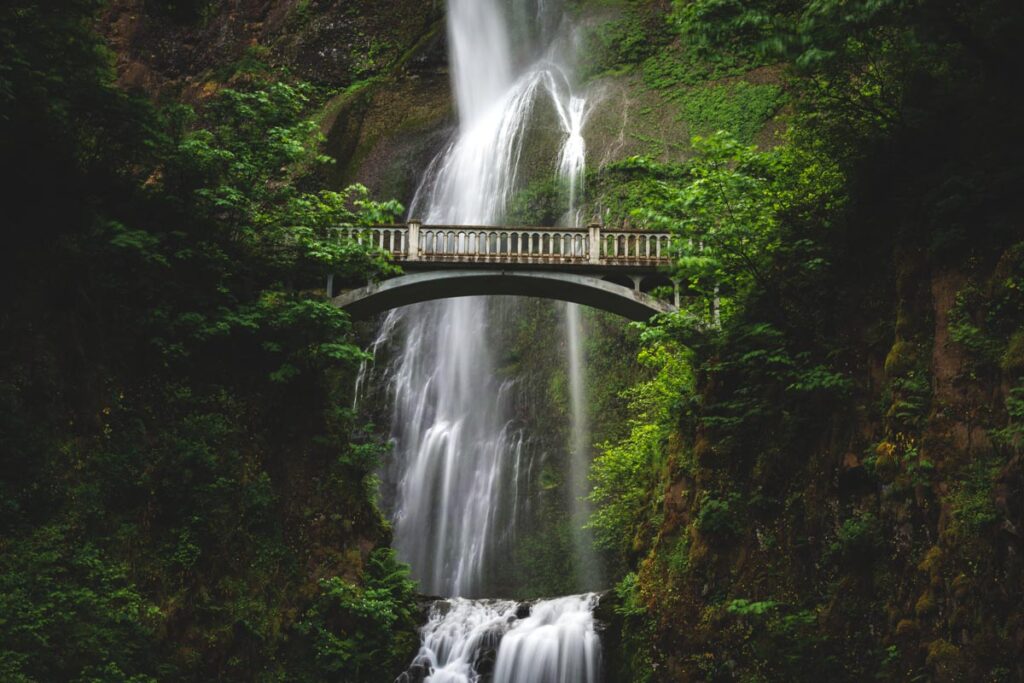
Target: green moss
x=973 y=500
x=616 y=45
x=542 y=202
x=740 y=108
x=931 y=563
x=720 y=518
x=901 y=359
x=681 y=65
x=1012 y=361
x=858 y=541
x=943 y=655
x=925 y=605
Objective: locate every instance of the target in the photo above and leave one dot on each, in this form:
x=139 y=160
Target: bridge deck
x=580 y=265
x=576 y=249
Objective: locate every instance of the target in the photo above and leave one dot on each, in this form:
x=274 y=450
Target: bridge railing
x=392 y=238
x=462 y=243
x=634 y=244
x=490 y=243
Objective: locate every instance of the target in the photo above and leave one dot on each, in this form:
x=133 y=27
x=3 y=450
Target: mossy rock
x=907 y=630
x=904 y=323
x=945 y=660
x=704 y=452
x=932 y=561
x=901 y=360
x=925 y=605
x=961 y=586
x=384 y=132
x=887 y=466
x=1012 y=361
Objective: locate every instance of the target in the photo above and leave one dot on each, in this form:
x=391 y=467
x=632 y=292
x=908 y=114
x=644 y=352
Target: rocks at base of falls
x=485 y=641
x=417 y=673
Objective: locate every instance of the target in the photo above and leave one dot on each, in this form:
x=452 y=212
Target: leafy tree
x=362 y=632
x=178 y=448
x=624 y=474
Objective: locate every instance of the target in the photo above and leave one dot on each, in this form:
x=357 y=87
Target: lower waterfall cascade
x=502 y=641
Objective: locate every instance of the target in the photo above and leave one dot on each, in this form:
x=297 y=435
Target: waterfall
x=571 y=166
x=556 y=643
x=588 y=569
x=501 y=641
x=458 y=453
x=573 y=158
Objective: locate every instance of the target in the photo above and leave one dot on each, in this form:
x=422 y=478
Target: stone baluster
x=413 y=243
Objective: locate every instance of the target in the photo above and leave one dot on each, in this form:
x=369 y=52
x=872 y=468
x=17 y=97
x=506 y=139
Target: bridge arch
x=443 y=284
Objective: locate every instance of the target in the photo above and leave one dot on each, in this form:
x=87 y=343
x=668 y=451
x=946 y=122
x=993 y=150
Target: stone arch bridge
x=610 y=269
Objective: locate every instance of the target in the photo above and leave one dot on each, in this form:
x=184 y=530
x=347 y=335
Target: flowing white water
x=571 y=165
x=470 y=641
x=588 y=572
x=460 y=640
x=459 y=456
x=573 y=158
x=557 y=643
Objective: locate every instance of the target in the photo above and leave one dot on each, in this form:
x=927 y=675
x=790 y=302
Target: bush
x=363 y=632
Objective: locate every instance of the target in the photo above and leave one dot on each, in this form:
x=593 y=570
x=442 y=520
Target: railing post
x=413 y=243
x=594 y=230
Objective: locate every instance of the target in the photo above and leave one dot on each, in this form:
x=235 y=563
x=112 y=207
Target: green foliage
x=726 y=216
x=670 y=70
x=987 y=317
x=755 y=608
x=858 y=541
x=767 y=376
x=241 y=168
x=621 y=43
x=621 y=495
x=1012 y=434
x=628 y=592
x=801 y=250
x=167 y=269
x=720 y=518
x=637 y=663
x=362 y=632
x=634 y=182
x=741 y=108
x=984 y=348
x=973 y=498
x=71 y=613
x=624 y=474
x=543 y=202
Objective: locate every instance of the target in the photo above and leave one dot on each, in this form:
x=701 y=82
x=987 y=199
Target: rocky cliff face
x=876 y=535
x=379 y=68
x=327 y=43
